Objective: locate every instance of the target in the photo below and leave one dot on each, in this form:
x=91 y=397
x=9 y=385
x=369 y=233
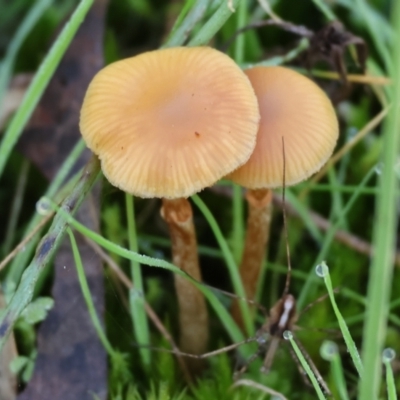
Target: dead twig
x=352 y=241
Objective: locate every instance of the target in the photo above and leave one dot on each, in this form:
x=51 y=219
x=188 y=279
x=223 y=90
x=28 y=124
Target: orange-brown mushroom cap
x=170 y=122
x=295 y=108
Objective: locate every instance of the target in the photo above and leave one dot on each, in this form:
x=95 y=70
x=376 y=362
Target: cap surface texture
x=294 y=108
x=170 y=122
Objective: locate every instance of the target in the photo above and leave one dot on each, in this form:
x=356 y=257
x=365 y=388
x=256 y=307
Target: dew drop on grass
x=328 y=350
x=388 y=355
x=43 y=206
x=287 y=335
x=379 y=168
x=322 y=269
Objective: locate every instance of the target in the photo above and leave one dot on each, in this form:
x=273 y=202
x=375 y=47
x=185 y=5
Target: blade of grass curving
x=321 y=187
x=46 y=250
x=16 y=206
x=303 y=213
x=237 y=192
x=329 y=351
x=279 y=60
x=136 y=294
x=388 y=356
x=145 y=240
x=19 y=263
x=87 y=295
x=322 y=271
x=40 y=81
x=289 y=336
x=336 y=200
x=179 y=34
x=330 y=235
x=227 y=321
x=324 y=8
x=365 y=11
x=230 y=262
x=381 y=268
x=24 y=28
x=214 y=24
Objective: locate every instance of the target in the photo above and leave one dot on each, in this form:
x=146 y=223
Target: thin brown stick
x=149 y=311
x=352 y=241
x=258 y=386
x=23 y=243
x=354 y=78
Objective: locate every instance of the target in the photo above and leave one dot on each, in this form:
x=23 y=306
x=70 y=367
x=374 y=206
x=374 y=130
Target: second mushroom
x=294 y=108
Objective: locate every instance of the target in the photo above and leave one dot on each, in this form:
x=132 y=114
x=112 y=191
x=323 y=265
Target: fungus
x=294 y=108
x=167 y=124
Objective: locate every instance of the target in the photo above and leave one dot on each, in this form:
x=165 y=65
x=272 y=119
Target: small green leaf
x=37 y=310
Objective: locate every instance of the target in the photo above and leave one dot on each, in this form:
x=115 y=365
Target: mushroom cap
x=295 y=108
x=168 y=123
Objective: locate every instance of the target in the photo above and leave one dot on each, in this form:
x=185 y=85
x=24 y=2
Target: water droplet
x=322 y=269
x=43 y=206
x=287 y=335
x=328 y=350
x=262 y=338
x=379 y=168
x=388 y=355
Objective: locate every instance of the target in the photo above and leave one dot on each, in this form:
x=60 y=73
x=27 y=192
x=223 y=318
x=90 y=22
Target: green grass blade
x=46 y=250
x=304 y=213
x=18 y=39
x=229 y=260
x=381 y=268
x=136 y=295
x=16 y=206
x=87 y=295
x=289 y=336
x=388 y=356
x=214 y=24
x=237 y=195
x=330 y=235
x=225 y=318
x=324 y=8
x=179 y=35
x=322 y=271
x=40 y=81
x=20 y=261
x=329 y=351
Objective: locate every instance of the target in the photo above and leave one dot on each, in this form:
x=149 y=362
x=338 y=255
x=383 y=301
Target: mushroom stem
x=257 y=235
x=193 y=316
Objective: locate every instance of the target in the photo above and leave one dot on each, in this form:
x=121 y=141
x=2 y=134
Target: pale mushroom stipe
x=167 y=124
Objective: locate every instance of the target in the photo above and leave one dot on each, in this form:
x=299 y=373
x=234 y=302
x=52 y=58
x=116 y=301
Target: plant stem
x=136 y=294
x=381 y=269
x=46 y=250
x=88 y=297
x=40 y=81
x=213 y=25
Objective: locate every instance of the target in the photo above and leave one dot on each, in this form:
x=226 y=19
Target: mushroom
x=294 y=108
x=166 y=124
